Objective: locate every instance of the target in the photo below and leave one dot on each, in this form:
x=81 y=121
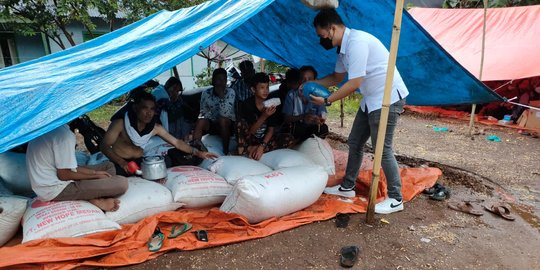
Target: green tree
x=138 y=9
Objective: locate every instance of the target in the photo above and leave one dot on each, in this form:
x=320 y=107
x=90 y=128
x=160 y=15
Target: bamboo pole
x=384 y=112
x=471 y=121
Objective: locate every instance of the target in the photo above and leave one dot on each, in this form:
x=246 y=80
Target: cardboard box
x=529 y=119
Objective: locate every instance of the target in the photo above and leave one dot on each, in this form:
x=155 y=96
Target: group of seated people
x=238 y=111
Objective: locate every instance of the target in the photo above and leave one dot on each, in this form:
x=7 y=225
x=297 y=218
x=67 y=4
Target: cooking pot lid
x=153 y=159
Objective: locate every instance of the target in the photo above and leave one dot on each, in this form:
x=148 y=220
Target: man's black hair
x=259 y=77
x=293 y=75
x=172 y=81
x=309 y=68
x=246 y=64
x=219 y=71
x=143 y=95
x=327 y=17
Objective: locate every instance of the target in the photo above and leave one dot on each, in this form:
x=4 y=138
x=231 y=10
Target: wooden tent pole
x=471 y=121
x=384 y=112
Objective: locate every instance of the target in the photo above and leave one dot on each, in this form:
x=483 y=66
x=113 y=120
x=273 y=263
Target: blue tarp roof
x=42 y=94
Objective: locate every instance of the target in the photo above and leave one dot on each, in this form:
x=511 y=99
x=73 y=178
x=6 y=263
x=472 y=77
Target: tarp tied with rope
x=40 y=95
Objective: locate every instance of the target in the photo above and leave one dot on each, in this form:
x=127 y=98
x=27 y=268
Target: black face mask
x=326 y=43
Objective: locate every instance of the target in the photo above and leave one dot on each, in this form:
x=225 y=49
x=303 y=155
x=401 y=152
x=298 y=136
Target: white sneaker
x=339 y=191
x=389 y=206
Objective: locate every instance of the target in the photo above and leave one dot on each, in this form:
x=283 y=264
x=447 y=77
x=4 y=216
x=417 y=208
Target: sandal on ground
x=156 y=241
x=465 y=207
x=349 y=256
x=179 y=229
x=501 y=210
x=342 y=220
x=433 y=189
x=440 y=194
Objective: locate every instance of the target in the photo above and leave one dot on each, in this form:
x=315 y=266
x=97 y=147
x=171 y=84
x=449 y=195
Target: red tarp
x=512 y=39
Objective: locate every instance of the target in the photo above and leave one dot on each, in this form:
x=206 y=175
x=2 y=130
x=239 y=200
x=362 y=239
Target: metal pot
x=154 y=168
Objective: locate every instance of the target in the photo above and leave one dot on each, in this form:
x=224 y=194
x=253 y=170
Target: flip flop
x=433 y=189
x=349 y=255
x=342 y=220
x=179 y=229
x=156 y=241
x=501 y=210
x=441 y=194
x=465 y=207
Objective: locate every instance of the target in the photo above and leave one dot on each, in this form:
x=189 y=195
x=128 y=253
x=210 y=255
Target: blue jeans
x=364 y=126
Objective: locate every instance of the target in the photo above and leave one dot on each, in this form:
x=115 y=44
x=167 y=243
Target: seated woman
x=302 y=117
x=217 y=111
x=257 y=124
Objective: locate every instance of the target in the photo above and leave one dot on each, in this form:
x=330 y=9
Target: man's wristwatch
x=326 y=103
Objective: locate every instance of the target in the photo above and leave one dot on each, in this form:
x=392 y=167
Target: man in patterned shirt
x=217 y=111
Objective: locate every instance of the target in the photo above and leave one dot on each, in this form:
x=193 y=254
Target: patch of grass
x=350 y=106
x=102 y=114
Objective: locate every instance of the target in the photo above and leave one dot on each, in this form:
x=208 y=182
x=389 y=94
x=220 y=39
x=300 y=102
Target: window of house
x=8 y=50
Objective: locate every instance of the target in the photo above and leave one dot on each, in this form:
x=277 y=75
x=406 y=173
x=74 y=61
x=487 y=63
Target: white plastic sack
x=82 y=157
x=64 y=219
x=285 y=158
x=196 y=187
x=276 y=193
x=319 y=4
x=11 y=212
x=214 y=144
x=97 y=158
x=156 y=147
x=320 y=152
x=233 y=168
x=13 y=172
x=142 y=199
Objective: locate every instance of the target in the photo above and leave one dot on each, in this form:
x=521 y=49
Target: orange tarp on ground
x=441 y=112
x=511 y=45
x=129 y=244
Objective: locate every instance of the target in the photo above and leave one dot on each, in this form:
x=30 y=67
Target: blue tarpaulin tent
x=42 y=94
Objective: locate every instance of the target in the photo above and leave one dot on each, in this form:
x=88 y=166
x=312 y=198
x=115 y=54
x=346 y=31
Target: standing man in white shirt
x=364 y=59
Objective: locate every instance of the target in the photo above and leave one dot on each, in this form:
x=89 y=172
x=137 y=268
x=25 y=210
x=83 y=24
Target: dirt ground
x=427 y=234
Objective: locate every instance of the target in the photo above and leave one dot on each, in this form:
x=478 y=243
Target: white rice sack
x=97 y=158
x=196 y=187
x=143 y=198
x=233 y=168
x=11 y=212
x=214 y=144
x=285 y=158
x=64 y=219
x=276 y=193
x=320 y=152
x=157 y=147
x=82 y=157
x=13 y=172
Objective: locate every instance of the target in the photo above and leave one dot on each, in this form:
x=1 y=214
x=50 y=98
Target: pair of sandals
x=156 y=240
x=348 y=254
x=437 y=192
x=499 y=209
